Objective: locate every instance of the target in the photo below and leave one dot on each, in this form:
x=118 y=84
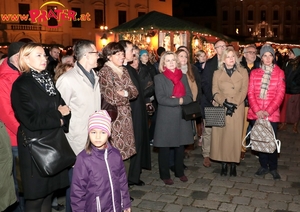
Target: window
x=76 y=23
x=263 y=15
x=225 y=15
x=288 y=15
x=24 y=9
x=298 y=15
x=250 y=15
x=263 y=32
x=287 y=33
x=275 y=32
x=141 y=13
x=298 y=32
x=275 y=15
x=122 y=17
x=52 y=21
x=237 y=15
x=99 y=21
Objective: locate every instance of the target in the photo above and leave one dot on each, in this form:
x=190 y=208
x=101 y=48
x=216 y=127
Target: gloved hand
x=230 y=107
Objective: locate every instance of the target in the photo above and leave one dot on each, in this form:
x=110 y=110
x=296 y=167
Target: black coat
x=292 y=76
x=206 y=82
x=37 y=114
x=140 y=127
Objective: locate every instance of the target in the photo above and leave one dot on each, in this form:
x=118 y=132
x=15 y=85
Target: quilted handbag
x=262 y=137
x=191 y=111
x=214 y=116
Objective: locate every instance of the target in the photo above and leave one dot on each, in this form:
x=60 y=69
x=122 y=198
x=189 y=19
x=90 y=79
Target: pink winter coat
x=275 y=94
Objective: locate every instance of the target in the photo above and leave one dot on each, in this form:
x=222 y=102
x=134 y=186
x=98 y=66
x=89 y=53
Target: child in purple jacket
x=99 y=180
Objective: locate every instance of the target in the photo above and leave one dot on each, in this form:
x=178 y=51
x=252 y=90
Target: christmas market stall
x=156 y=29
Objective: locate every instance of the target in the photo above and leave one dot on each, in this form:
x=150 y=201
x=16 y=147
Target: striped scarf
x=265 y=81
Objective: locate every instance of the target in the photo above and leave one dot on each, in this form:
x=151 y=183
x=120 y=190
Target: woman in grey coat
x=171 y=131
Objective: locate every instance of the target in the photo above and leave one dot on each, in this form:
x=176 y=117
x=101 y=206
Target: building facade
x=259 y=20
x=65 y=21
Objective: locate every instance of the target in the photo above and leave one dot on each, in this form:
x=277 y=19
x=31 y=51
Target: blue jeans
x=19 y=206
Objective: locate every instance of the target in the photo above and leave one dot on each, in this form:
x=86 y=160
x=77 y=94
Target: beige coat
x=226 y=141
x=83 y=99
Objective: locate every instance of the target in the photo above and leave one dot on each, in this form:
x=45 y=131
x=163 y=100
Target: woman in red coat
x=265 y=94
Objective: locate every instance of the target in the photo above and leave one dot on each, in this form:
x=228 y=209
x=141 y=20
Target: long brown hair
x=189 y=72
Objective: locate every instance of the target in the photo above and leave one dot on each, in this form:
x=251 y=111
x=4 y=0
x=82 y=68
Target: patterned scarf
x=175 y=77
x=265 y=81
x=45 y=81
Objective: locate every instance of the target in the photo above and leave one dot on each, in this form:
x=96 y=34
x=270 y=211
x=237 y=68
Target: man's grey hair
x=81 y=47
x=249 y=46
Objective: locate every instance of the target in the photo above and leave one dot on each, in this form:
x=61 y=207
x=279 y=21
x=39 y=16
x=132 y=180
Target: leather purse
x=214 y=116
x=262 y=137
x=51 y=153
x=111 y=109
x=191 y=111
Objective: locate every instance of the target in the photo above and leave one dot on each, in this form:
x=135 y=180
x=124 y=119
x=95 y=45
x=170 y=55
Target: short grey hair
x=81 y=47
x=249 y=46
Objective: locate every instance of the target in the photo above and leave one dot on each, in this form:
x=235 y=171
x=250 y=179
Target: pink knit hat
x=100 y=120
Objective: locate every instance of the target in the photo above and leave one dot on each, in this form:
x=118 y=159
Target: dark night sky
x=194 y=8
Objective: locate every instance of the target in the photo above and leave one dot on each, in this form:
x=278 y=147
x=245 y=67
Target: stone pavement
x=207 y=191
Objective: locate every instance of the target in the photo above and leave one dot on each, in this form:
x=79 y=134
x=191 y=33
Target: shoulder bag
x=112 y=110
x=262 y=137
x=51 y=154
x=191 y=111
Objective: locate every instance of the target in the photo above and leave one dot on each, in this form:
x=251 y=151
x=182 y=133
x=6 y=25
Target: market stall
x=156 y=29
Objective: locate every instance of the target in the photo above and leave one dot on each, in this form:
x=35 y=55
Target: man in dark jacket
x=207 y=96
x=249 y=61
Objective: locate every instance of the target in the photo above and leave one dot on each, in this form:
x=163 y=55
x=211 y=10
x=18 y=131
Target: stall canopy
x=161 y=21
x=156 y=29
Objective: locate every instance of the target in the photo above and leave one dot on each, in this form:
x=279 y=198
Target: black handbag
x=214 y=116
x=191 y=111
x=51 y=154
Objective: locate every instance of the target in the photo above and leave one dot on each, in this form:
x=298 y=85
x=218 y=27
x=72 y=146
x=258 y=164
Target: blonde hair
x=26 y=50
x=162 y=60
x=189 y=72
x=224 y=55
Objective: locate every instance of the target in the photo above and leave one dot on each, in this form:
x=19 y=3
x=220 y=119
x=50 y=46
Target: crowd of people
x=41 y=92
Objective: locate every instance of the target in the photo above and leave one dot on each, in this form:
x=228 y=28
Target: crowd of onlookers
x=41 y=92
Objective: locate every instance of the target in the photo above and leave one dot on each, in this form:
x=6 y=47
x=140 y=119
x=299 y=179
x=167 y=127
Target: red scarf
x=175 y=77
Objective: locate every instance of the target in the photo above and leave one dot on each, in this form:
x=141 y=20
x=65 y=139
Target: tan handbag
x=262 y=137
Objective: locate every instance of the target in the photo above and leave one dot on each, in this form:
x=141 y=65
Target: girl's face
x=291 y=55
x=98 y=138
x=144 y=58
x=183 y=58
x=117 y=59
x=135 y=63
x=37 y=59
x=170 y=62
x=229 y=60
x=267 y=59
x=202 y=58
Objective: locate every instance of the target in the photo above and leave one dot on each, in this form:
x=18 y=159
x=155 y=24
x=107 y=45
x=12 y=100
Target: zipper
x=98 y=204
x=110 y=180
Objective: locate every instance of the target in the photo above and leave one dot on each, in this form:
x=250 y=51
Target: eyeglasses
x=253 y=53
x=223 y=46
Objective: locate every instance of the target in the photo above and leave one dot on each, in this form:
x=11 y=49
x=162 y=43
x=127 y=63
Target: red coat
x=7 y=116
x=275 y=94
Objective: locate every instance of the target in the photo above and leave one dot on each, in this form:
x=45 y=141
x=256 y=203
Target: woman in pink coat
x=265 y=93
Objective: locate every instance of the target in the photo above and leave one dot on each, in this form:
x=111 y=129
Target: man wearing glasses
x=80 y=89
x=206 y=100
x=249 y=61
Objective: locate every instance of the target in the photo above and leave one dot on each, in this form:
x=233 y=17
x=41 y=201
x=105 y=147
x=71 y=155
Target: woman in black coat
x=39 y=109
